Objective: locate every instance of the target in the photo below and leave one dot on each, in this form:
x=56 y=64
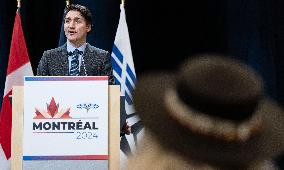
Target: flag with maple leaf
x=18 y=66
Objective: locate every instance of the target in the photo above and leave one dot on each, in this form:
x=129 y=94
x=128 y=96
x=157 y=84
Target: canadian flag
x=18 y=66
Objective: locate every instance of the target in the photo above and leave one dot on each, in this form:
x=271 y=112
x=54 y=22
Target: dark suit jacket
x=96 y=62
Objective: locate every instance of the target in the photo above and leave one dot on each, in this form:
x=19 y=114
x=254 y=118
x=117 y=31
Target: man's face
x=76 y=27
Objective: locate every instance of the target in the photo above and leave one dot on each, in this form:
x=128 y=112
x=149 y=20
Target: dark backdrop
x=163 y=33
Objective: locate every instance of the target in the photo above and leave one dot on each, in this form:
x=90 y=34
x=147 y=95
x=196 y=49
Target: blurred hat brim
x=150 y=102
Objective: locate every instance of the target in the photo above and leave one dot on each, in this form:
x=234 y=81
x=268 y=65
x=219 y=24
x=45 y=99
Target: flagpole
x=19 y=3
x=67 y=2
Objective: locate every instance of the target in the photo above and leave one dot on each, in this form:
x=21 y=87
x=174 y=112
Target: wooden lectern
x=17 y=127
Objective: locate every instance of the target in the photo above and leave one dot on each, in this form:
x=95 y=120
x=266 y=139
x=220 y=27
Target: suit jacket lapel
x=87 y=57
x=63 y=58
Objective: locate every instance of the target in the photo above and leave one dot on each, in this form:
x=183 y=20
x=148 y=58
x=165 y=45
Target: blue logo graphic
x=87 y=106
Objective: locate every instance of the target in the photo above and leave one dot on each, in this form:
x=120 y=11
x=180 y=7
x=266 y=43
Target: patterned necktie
x=74 y=70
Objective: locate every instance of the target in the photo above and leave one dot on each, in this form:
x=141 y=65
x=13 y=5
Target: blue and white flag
x=122 y=62
x=125 y=76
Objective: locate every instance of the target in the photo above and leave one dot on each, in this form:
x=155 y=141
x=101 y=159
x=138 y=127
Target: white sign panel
x=65 y=118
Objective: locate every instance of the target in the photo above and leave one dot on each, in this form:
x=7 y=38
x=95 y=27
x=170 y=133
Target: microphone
x=99 y=71
x=84 y=66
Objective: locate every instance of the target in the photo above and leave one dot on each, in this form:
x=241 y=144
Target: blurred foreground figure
x=210 y=114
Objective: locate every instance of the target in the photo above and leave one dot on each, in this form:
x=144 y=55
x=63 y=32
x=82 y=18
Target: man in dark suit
x=76 y=57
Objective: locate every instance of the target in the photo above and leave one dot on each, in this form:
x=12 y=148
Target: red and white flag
x=18 y=66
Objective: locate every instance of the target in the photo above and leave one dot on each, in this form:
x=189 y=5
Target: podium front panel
x=17 y=139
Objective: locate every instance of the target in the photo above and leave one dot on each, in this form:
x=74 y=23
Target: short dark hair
x=85 y=12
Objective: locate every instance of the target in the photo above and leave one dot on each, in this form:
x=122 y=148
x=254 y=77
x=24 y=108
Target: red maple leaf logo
x=52 y=112
x=52 y=107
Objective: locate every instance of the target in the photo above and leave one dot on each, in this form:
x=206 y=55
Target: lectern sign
x=65 y=118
